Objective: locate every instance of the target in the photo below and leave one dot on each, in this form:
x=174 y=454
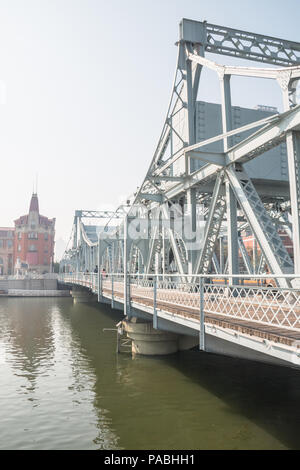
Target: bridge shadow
x=266 y=395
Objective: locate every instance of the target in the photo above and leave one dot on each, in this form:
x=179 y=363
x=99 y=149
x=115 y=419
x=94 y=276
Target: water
x=62 y=386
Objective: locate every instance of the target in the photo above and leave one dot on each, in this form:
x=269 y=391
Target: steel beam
x=212 y=229
x=293 y=156
x=261 y=224
x=233 y=263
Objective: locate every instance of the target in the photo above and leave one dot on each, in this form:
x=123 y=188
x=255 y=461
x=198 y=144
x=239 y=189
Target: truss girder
x=260 y=222
x=209 y=141
x=181 y=251
x=293 y=151
x=245 y=256
x=280 y=74
x=153 y=246
x=270 y=136
x=251 y=46
x=99 y=214
x=282 y=220
x=85 y=238
x=212 y=228
x=265 y=139
x=174 y=245
x=216 y=263
x=169 y=177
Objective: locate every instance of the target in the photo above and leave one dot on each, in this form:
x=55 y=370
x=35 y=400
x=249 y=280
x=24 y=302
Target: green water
x=62 y=386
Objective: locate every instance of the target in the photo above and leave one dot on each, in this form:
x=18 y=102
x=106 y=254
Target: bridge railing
x=252 y=299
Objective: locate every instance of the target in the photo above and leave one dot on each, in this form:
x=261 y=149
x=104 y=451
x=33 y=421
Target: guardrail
x=254 y=299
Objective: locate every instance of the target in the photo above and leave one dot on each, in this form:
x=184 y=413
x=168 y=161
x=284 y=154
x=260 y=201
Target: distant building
x=34 y=240
x=6 y=250
x=268 y=109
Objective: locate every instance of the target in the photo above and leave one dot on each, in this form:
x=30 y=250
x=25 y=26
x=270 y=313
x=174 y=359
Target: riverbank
x=35 y=293
x=42 y=286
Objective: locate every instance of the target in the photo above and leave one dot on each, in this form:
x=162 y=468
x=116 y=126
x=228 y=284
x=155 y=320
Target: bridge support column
x=233 y=249
x=81 y=295
x=150 y=342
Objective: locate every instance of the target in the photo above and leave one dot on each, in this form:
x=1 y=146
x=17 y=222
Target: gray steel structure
x=217 y=174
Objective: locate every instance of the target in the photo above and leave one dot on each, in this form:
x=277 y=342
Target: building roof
x=7 y=232
x=23 y=220
x=34 y=207
x=34 y=203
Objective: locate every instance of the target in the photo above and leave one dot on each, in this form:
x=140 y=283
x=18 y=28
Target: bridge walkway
x=259 y=312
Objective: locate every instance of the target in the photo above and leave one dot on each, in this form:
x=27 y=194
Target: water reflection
x=28 y=335
x=55 y=409
x=195 y=400
x=62 y=386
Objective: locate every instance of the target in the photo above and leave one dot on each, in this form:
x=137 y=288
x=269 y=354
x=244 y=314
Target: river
x=62 y=386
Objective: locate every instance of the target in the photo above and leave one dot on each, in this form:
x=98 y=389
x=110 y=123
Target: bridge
x=175 y=256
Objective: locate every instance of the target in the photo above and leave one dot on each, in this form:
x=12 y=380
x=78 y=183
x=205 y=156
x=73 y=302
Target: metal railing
x=255 y=299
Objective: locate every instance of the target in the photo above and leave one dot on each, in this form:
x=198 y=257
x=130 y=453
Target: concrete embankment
x=36 y=293
x=32 y=288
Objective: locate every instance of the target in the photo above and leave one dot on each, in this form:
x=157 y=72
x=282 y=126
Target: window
x=46 y=250
x=32 y=248
x=9 y=243
x=1 y=243
x=19 y=235
x=19 y=247
x=32 y=235
x=45 y=236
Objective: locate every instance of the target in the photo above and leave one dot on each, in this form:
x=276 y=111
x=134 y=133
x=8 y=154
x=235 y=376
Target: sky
x=84 y=88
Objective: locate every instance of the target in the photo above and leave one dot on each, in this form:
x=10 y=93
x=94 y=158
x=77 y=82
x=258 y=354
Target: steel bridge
x=175 y=253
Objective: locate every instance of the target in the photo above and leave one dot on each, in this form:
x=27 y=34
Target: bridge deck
x=261 y=310
x=276 y=319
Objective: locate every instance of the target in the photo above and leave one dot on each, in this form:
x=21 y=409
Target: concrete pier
x=150 y=342
x=81 y=295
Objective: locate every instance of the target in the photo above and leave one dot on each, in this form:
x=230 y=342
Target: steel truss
x=220 y=185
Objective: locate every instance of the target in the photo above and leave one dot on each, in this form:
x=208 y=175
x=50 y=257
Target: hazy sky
x=87 y=87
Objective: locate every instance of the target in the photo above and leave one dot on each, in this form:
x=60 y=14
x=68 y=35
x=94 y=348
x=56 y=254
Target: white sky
x=87 y=87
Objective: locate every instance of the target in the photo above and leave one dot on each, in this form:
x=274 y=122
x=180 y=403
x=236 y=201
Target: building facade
x=34 y=240
x=6 y=250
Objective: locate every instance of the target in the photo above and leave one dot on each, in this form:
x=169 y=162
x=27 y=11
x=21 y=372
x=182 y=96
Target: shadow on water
x=265 y=395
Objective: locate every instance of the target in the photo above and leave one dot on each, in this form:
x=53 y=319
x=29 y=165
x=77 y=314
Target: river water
x=62 y=386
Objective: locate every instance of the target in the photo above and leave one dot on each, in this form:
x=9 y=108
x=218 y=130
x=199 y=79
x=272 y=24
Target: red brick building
x=6 y=250
x=34 y=240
